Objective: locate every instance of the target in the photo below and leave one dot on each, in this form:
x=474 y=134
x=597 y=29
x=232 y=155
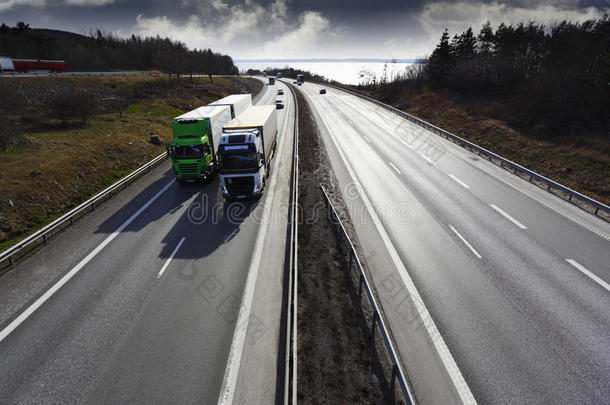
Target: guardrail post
x=351 y=256
x=360 y=285
x=394 y=374
x=10 y=261
x=373 y=323
x=71 y=220
x=45 y=238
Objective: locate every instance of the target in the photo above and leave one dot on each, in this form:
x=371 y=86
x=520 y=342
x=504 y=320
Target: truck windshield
x=188 y=152
x=238 y=157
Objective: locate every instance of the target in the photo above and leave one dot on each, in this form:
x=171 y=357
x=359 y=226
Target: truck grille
x=240 y=185
x=188 y=169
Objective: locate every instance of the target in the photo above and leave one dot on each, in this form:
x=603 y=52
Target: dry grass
x=51 y=168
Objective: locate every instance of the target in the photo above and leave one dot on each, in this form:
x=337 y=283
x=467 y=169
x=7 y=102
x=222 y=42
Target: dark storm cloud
x=274 y=28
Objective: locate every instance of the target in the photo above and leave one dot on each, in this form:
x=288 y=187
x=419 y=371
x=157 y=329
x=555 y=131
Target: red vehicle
x=25 y=65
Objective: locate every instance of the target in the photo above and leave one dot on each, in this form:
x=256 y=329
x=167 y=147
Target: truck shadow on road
x=195 y=211
x=208 y=223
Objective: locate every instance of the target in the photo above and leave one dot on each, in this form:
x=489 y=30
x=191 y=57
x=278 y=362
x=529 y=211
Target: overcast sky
x=257 y=29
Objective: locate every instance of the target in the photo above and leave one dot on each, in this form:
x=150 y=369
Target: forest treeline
x=556 y=78
x=106 y=51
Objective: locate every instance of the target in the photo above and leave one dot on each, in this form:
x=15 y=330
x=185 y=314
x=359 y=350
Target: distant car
x=322 y=91
x=299 y=84
x=279 y=104
x=280 y=92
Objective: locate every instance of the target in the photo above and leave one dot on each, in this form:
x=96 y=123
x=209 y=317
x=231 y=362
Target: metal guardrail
x=290 y=382
x=9 y=256
x=515 y=167
x=397 y=371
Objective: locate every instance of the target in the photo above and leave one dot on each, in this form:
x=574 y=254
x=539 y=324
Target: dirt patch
x=339 y=361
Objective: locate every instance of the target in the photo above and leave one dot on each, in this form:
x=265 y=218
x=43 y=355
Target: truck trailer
x=196 y=136
x=238 y=103
x=26 y=65
x=300 y=78
x=245 y=150
x=271 y=81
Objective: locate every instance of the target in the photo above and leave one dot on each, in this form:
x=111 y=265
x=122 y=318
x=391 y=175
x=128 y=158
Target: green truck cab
x=196 y=134
x=195 y=138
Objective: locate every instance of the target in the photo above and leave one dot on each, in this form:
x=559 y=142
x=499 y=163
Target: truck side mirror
x=169 y=151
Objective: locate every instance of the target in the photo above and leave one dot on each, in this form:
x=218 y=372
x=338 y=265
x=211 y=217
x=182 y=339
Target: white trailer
x=245 y=150
x=238 y=103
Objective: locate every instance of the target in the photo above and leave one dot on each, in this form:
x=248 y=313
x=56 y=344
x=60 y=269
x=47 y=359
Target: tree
x=440 y=62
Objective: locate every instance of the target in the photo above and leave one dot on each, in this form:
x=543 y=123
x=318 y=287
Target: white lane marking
x=444 y=354
x=408 y=145
x=366 y=139
x=32 y=308
x=588 y=273
x=465 y=242
x=460 y=182
x=229 y=381
x=168 y=261
x=394 y=167
x=351 y=123
x=427 y=159
x=511 y=219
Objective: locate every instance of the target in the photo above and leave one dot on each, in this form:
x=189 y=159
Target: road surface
x=495 y=290
x=151 y=313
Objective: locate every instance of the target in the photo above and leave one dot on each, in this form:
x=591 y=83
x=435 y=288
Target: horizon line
x=380 y=60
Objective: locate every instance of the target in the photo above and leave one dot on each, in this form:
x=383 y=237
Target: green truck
x=196 y=134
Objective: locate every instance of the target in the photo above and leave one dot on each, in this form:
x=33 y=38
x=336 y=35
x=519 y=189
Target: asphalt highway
x=162 y=295
x=495 y=290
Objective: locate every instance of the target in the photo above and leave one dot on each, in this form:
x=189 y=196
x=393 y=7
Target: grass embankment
x=580 y=162
x=49 y=167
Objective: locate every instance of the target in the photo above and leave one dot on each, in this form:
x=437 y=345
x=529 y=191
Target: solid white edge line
x=588 y=273
x=394 y=167
x=442 y=350
x=168 y=261
x=465 y=242
x=460 y=182
x=505 y=215
x=42 y=299
x=229 y=381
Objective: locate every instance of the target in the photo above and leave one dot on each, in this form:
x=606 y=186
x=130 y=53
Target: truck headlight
x=257 y=186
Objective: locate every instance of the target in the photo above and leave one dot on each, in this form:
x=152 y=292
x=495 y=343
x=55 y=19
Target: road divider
x=377 y=319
